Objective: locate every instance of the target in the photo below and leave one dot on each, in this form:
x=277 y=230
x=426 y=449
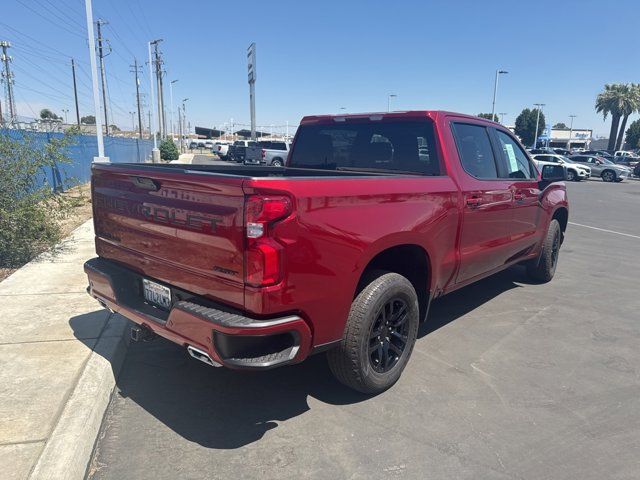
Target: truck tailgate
x=181 y=228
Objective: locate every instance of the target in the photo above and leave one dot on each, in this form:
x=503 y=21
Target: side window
x=517 y=163
x=474 y=148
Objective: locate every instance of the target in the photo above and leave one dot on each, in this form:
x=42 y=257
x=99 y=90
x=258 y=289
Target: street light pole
x=502 y=114
x=535 y=138
x=495 y=91
x=94 y=82
x=570 y=131
x=65 y=111
x=391 y=95
x=171 y=106
x=184 y=120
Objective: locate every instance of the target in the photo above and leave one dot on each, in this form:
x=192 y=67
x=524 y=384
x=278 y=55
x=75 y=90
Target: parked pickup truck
x=268 y=152
x=342 y=250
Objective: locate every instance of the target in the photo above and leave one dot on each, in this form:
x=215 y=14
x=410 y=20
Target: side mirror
x=551 y=174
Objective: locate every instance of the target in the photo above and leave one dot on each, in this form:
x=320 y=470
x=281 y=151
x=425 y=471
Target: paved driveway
x=508 y=380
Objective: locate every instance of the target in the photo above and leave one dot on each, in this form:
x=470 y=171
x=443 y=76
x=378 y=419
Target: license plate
x=156 y=294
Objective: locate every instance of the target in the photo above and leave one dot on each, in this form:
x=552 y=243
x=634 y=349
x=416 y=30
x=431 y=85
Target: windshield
x=402 y=146
x=608 y=162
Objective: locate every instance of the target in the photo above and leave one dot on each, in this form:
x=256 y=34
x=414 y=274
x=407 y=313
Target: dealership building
x=568 y=138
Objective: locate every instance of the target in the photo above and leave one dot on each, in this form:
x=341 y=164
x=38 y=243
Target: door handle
x=519 y=197
x=473 y=201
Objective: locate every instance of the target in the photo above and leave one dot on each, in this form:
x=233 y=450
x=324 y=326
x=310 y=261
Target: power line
x=68 y=30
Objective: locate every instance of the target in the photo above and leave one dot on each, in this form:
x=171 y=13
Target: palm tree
x=619 y=100
x=629 y=106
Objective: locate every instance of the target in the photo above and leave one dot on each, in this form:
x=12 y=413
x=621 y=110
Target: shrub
x=168 y=150
x=30 y=215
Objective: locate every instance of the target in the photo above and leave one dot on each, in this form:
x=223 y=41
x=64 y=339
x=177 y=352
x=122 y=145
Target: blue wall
x=82 y=152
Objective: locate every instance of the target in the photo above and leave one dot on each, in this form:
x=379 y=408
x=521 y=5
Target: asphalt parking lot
x=508 y=380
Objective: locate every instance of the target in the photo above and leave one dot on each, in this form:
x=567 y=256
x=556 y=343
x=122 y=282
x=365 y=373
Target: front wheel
x=543 y=268
x=608 y=176
x=379 y=336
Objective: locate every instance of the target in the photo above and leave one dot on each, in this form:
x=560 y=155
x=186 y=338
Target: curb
x=68 y=450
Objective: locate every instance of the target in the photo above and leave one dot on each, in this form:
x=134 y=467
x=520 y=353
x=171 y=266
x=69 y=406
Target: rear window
x=385 y=146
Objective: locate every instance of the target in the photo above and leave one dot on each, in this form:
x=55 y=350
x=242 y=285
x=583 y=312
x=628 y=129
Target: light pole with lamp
x=171 y=106
x=535 y=138
x=502 y=114
x=495 y=91
x=65 y=111
x=570 y=131
x=389 y=97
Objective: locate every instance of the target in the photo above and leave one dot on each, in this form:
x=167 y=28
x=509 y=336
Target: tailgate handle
x=146 y=183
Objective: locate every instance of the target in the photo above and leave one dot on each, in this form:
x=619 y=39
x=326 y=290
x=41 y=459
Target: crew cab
x=341 y=250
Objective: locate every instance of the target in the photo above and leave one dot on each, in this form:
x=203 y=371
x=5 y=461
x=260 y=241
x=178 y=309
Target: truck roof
x=432 y=114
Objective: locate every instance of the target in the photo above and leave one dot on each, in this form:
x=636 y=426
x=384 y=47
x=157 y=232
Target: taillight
x=263 y=259
x=264 y=154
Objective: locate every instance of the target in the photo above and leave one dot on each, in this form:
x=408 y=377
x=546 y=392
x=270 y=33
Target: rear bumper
x=227 y=335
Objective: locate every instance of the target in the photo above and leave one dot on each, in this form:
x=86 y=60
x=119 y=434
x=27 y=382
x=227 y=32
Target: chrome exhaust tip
x=202 y=356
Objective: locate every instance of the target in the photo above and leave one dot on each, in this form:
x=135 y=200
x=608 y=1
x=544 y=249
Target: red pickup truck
x=343 y=249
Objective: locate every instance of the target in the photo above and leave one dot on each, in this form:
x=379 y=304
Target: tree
x=88 y=120
x=488 y=116
x=618 y=100
x=633 y=135
x=560 y=126
x=114 y=128
x=526 y=125
x=31 y=213
x=46 y=114
x=168 y=150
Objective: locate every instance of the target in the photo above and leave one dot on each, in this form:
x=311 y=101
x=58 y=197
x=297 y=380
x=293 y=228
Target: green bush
x=30 y=216
x=168 y=150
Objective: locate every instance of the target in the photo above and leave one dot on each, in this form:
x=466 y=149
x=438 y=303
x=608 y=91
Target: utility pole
x=535 y=138
x=7 y=78
x=251 y=57
x=184 y=120
x=570 y=131
x=94 y=82
x=158 y=65
x=135 y=70
x=101 y=54
x=75 y=90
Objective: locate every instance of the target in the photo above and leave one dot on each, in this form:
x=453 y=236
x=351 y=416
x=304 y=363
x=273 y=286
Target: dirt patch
x=80 y=213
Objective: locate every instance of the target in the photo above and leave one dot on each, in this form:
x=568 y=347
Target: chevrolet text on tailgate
x=342 y=250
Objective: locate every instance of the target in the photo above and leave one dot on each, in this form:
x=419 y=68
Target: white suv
x=575 y=171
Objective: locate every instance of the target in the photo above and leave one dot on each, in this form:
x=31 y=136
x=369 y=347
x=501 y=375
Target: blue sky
x=316 y=57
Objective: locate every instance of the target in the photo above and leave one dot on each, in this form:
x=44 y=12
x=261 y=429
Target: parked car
x=603 y=168
x=273 y=153
x=238 y=150
x=575 y=171
x=598 y=153
x=222 y=150
x=636 y=170
x=537 y=151
x=561 y=151
x=343 y=251
x=208 y=144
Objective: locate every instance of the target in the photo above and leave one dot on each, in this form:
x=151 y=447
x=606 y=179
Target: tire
x=359 y=361
x=543 y=268
x=277 y=162
x=608 y=176
x=572 y=176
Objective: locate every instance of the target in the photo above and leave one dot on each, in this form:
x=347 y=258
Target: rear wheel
x=571 y=176
x=543 y=268
x=608 y=176
x=379 y=336
x=277 y=162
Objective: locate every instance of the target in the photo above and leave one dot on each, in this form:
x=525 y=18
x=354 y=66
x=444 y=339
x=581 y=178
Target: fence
x=81 y=153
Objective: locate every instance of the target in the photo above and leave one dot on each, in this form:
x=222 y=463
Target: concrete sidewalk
x=59 y=355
